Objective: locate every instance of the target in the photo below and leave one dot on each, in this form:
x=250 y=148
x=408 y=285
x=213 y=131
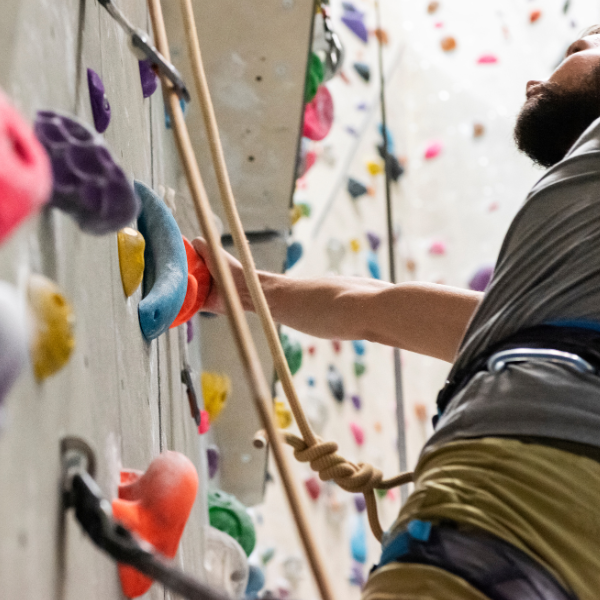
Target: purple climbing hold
x=354 y=21
x=99 y=101
x=359 y=502
x=356 y=402
x=213 y=457
x=357 y=576
x=148 y=78
x=190 y=331
x=374 y=240
x=482 y=278
x=88 y=183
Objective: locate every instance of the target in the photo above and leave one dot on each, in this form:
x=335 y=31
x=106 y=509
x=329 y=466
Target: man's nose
x=580 y=45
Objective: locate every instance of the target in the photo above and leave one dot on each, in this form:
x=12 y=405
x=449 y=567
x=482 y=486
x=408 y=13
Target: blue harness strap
x=496 y=568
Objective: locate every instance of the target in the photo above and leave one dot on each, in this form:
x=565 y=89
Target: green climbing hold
x=293 y=353
x=359 y=368
x=314 y=77
x=381 y=493
x=227 y=514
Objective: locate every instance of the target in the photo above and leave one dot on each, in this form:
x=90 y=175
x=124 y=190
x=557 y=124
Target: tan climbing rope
x=321 y=455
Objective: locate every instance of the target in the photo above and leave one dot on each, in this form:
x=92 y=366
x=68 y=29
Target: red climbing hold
x=25 y=174
x=155 y=505
x=199 y=282
x=318 y=115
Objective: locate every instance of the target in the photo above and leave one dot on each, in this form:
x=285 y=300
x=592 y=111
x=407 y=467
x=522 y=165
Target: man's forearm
x=425 y=318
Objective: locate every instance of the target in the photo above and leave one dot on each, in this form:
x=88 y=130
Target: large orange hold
x=198 y=287
x=155 y=505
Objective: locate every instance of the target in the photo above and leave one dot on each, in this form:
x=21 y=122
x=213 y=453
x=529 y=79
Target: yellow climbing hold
x=295 y=214
x=283 y=415
x=53 y=339
x=374 y=168
x=215 y=391
x=131 y=258
x=354 y=245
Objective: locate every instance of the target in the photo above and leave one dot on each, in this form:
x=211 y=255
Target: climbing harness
x=364 y=478
x=94 y=513
x=142 y=46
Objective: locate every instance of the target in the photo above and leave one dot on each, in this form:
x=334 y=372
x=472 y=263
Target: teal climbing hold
x=226 y=513
x=363 y=70
x=165 y=271
x=358 y=540
x=373 y=265
x=293 y=255
x=359 y=347
x=293 y=353
x=355 y=188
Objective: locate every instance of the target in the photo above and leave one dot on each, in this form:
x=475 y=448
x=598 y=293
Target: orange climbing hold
x=155 y=505
x=198 y=287
x=448 y=43
x=534 y=15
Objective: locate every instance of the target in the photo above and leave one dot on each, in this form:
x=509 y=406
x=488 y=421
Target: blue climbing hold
x=390 y=138
x=256 y=581
x=358 y=540
x=373 y=264
x=165 y=273
x=355 y=188
x=294 y=254
x=359 y=347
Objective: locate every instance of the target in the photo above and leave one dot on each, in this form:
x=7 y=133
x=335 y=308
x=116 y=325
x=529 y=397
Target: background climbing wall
x=450 y=116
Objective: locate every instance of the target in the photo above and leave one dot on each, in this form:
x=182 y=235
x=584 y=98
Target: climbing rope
x=321 y=455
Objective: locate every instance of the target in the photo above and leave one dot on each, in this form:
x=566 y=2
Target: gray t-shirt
x=548 y=271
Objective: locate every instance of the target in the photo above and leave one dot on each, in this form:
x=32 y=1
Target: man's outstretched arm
x=421 y=317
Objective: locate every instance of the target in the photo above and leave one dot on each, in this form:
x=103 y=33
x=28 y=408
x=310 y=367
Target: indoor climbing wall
x=103 y=356
x=455 y=75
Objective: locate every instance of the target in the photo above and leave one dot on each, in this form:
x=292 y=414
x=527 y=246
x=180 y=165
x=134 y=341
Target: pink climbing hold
x=318 y=115
x=358 y=433
x=437 y=248
x=313 y=487
x=487 y=59
x=204 y=426
x=433 y=150
x=25 y=173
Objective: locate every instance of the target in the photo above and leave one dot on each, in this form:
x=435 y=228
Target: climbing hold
x=88 y=184
x=335 y=383
x=183 y=107
x=318 y=115
x=189 y=331
x=359 y=367
x=390 y=140
x=228 y=514
x=213 y=458
x=382 y=36
x=354 y=21
x=14 y=338
x=358 y=540
x=535 y=15
x=25 y=173
x=293 y=254
x=311 y=351
x=355 y=188
x=316 y=411
x=199 y=283
x=374 y=168
x=393 y=165
x=299 y=210
x=481 y=279
x=204 y=426
x=433 y=150
x=363 y=70
x=266 y=555
x=373 y=265
x=478 y=130
x=433 y=7
x=166 y=271
x=306 y=158
x=358 y=433
x=53 y=339
x=487 y=59
x=314 y=77
x=215 y=391
x=148 y=78
x=360 y=503
x=336 y=251
x=155 y=505
x=283 y=415
x=256 y=581
x=448 y=43
x=381 y=493
x=293 y=353
x=337 y=346
x=411 y=265
x=359 y=347
x=354 y=245
x=374 y=240
x=421 y=412
x=99 y=101
x=293 y=569
x=131 y=245
x=313 y=487
x=356 y=401
x=437 y=248
x=357 y=576
x=225 y=563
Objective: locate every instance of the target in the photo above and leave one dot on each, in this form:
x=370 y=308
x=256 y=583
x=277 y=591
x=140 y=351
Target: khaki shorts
x=542 y=500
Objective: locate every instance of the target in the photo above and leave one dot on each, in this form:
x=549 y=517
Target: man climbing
x=506 y=489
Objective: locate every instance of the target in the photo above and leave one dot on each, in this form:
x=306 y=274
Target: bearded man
x=507 y=488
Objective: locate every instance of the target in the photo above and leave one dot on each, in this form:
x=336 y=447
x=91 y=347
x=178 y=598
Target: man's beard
x=551 y=122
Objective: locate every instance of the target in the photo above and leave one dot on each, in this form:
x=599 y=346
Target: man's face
x=558 y=111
